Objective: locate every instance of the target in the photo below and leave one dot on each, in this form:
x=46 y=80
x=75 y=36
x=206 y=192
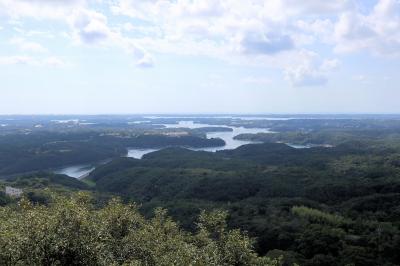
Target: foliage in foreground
x=70 y=231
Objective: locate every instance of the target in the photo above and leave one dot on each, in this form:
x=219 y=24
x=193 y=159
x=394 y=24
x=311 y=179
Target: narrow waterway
x=227 y=136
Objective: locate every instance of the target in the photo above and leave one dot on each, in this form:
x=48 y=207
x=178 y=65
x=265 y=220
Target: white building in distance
x=13 y=192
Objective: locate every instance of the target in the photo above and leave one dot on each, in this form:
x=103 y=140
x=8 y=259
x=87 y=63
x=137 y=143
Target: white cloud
x=246 y=31
x=211 y=24
x=330 y=64
x=14 y=60
x=33 y=33
x=377 y=32
x=317 y=7
x=39 y=9
x=92 y=28
x=309 y=70
x=128 y=26
x=147 y=10
x=264 y=43
x=304 y=76
x=55 y=62
x=273 y=33
x=145 y=61
x=89 y=27
x=315 y=30
x=142 y=58
x=32 y=61
x=27 y=46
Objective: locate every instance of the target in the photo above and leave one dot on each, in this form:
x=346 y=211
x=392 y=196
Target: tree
x=70 y=231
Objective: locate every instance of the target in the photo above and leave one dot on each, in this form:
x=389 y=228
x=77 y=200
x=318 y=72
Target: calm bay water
x=76 y=171
x=80 y=171
x=138 y=153
x=227 y=136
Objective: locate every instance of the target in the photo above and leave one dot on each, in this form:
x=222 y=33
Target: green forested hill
x=20 y=153
x=318 y=206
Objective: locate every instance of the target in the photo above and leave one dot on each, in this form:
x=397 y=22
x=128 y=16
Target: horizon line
x=194 y=114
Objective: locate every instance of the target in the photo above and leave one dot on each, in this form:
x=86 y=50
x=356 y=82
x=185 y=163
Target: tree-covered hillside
x=318 y=206
x=20 y=153
x=71 y=231
x=334 y=204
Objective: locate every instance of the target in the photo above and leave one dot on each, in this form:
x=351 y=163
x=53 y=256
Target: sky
x=199 y=56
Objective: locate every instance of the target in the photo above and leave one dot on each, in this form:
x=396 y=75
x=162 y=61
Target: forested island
x=21 y=153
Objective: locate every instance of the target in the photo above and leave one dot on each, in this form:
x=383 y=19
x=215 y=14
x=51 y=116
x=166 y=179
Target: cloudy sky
x=199 y=56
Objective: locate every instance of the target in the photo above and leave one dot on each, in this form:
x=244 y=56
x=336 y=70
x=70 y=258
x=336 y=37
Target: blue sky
x=199 y=56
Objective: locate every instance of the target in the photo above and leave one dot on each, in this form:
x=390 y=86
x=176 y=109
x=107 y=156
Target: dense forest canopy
x=70 y=231
x=21 y=153
x=335 y=202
